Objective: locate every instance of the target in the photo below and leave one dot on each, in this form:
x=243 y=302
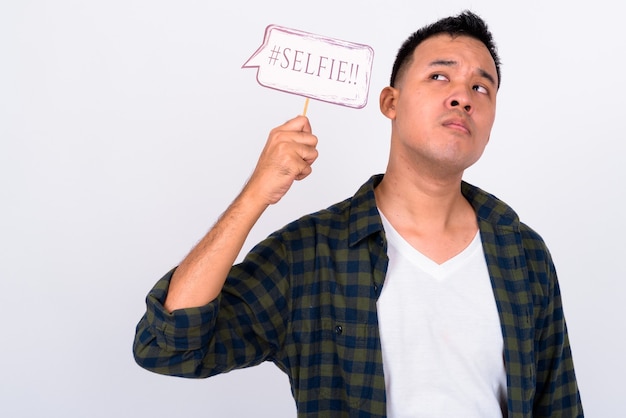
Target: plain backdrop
x=128 y=126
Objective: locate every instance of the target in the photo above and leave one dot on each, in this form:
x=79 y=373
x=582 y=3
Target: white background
x=127 y=126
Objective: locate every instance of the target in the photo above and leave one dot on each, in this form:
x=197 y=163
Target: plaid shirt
x=305 y=299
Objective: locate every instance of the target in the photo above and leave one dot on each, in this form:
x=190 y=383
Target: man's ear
x=387 y=102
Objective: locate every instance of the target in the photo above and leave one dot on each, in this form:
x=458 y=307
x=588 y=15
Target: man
x=420 y=296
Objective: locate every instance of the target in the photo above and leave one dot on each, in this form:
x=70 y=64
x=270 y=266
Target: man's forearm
x=201 y=275
x=287 y=156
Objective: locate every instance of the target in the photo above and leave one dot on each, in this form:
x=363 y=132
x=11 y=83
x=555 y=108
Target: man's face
x=444 y=104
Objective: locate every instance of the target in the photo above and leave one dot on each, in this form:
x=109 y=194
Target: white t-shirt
x=440 y=333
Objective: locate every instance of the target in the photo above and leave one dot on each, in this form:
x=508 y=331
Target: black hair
x=466 y=24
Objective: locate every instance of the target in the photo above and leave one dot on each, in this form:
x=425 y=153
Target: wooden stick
x=306 y=106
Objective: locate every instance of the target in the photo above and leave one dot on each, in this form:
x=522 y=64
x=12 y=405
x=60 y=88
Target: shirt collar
x=364 y=217
x=489 y=208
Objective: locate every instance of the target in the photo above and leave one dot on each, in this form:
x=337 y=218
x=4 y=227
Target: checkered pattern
x=305 y=299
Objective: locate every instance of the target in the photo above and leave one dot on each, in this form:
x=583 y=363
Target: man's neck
x=431 y=214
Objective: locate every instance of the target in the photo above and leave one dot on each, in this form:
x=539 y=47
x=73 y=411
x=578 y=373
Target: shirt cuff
x=181 y=330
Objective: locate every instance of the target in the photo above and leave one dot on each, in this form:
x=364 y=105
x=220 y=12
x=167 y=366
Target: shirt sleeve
x=244 y=326
x=173 y=343
x=557 y=393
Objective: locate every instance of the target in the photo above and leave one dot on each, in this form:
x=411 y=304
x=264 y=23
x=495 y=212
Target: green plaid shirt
x=305 y=299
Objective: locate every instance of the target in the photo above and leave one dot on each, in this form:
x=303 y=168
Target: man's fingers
x=308 y=153
x=297 y=129
x=306 y=170
x=299 y=124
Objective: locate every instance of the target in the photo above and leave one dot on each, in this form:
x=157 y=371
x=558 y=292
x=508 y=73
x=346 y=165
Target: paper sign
x=313 y=66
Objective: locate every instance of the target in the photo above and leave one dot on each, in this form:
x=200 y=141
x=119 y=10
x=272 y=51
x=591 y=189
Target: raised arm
x=287 y=156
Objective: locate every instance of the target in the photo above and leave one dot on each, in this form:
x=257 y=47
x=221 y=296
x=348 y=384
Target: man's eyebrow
x=451 y=63
x=487 y=75
x=445 y=63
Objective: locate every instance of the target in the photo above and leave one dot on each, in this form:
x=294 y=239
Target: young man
x=419 y=296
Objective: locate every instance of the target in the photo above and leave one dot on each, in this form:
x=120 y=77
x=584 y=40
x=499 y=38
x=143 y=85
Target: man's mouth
x=457 y=124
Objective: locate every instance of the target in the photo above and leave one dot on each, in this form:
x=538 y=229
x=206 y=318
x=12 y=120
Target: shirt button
x=338 y=330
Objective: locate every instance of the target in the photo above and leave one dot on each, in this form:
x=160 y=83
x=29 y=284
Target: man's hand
x=287 y=156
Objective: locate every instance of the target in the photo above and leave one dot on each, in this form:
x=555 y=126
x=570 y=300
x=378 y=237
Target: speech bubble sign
x=314 y=66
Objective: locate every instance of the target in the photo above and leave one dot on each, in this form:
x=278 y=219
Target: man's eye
x=438 y=77
x=481 y=89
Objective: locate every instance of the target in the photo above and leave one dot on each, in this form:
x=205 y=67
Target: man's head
x=442 y=101
x=465 y=24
